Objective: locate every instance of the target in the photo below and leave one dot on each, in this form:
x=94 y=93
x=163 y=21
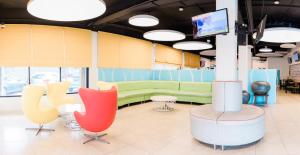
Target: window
x=13 y=80
x=72 y=75
x=43 y=75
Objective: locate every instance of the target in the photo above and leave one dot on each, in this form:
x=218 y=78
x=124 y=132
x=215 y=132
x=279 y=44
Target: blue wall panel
x=203 y=75
x=269 y=75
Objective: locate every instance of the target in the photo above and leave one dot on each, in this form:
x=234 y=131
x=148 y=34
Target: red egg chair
x=100 y=107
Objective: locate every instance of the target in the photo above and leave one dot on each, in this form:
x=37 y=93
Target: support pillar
x=245 y=64
x=227 y=90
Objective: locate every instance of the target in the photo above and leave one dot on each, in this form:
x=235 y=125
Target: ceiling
x=115 y=20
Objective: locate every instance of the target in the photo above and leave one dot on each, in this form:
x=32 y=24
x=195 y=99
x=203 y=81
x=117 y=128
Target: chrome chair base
x=95 y=137
x=39 y=129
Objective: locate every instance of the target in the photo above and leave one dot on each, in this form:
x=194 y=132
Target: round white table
x=166 y=102
x=67 y=114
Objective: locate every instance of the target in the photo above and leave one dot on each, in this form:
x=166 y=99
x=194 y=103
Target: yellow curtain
x=191 y=60
x=78 y=47
x=117 y=51
x=44 y=46
x=15 y=46
x=47 y=46
x=108 y=50
x=169 y=55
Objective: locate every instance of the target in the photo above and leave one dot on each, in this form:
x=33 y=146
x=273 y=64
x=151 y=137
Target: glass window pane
x=13 y=80
x=44 y=75
x=72 y=75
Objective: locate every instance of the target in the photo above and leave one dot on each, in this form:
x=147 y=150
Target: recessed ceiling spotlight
x=265 y=49
x=181 y=9
x=164 y=35
x=276 y=2
x=280 y=35
x=192 y=45
x=288 y=45
x=143 y=20
x=66 y=10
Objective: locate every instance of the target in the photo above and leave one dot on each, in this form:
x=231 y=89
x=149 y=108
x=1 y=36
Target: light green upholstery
x=139 y=91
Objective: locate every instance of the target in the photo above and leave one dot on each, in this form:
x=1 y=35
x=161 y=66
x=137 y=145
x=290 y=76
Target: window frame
x=86 y=80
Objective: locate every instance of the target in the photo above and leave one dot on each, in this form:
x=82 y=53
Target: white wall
x=256 y=64
x=280 y=64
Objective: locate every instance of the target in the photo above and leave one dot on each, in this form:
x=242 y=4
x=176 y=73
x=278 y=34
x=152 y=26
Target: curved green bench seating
x=139 y=91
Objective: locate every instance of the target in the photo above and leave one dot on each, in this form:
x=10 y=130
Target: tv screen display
x=296 y=56
x=260 y=29
x=209 y=24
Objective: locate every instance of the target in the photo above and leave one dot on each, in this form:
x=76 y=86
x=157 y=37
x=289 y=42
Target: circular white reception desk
x=227 y=122
x=227 y=128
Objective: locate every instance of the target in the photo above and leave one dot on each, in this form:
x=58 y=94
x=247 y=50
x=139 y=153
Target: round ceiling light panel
x=265 y=50
x=208 y=53
x=192 y=45
x=143 y=20
x=66 y=10
x=164 y=35
x=269 y=55
x=280 y=35
x=288 y=45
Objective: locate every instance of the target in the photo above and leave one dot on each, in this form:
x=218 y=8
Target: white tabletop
x=163 y=98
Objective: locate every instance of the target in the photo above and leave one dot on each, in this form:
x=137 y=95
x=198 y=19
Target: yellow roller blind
x=191 y=60
x=165 y=54
x=135 y=53
x=117 y=51
x=78 y=47
x=108 y=50
x=15 y=45
x=48 y=45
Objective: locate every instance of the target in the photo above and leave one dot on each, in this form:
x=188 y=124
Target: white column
x=227 y=91
x=226 y=45
x=245 y=64
x=93 y=74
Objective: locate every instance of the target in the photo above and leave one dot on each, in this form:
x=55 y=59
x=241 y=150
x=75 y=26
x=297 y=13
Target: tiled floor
x=140 y=130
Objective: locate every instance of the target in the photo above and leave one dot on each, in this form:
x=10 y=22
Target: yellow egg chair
x=105 y=85
x=57 y=94
x=34 y=110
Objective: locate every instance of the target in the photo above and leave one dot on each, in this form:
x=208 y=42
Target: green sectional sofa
x=139 y=91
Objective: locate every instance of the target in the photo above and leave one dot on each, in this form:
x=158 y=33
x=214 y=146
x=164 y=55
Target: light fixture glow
x=265 y=49
x=66 y=10
x=143 y=20
x=192 y=45
x=288 y=46
x=208 y=53
x=280 y=35
x=269 y=55
x=276 y=2
x=164 y=35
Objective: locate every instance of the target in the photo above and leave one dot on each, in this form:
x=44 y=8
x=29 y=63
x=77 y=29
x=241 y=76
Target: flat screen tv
x=296 y=56
x=290 y=60
x=210 y=24
x=260 y=29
